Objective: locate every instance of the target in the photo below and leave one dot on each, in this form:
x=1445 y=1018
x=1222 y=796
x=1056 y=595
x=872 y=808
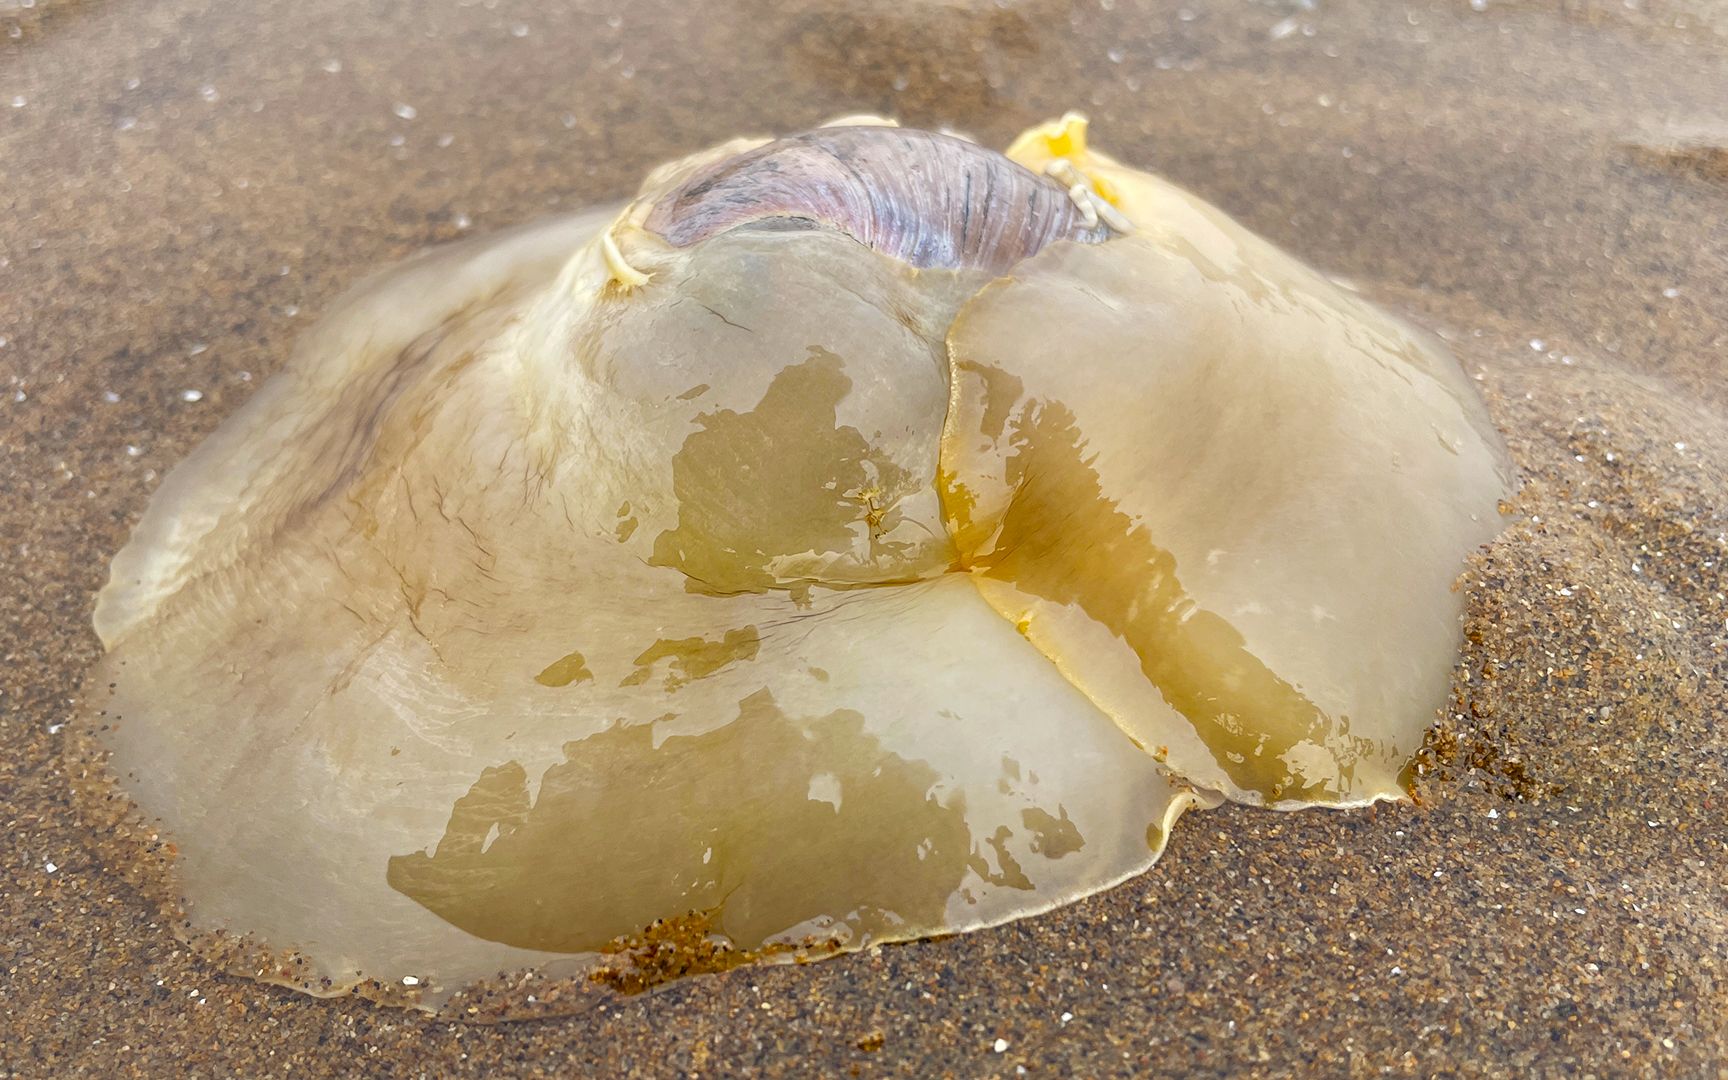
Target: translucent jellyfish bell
x=859 y=536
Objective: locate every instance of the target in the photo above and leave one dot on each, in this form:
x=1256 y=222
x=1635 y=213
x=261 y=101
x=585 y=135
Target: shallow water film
x=856 y=537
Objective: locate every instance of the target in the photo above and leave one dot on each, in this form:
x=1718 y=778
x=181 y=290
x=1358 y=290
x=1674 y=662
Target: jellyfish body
x=851 y=539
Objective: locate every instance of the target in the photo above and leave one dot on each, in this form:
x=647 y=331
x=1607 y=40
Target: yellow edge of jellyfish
x=1038 y=146
x=859 y=120
x=622 y=272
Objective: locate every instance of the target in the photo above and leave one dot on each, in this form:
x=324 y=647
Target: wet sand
x=186 y=185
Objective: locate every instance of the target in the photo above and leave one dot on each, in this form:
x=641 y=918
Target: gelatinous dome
x=856 y=537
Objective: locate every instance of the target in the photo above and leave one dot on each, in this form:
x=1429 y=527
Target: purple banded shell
x=927 y=199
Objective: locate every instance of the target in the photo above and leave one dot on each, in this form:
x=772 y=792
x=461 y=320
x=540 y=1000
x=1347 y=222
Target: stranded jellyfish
x=859 y=535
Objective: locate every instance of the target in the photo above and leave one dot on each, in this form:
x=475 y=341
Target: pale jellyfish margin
x=368 y=615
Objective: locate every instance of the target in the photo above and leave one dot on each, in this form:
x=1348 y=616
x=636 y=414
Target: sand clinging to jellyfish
x=858 y=536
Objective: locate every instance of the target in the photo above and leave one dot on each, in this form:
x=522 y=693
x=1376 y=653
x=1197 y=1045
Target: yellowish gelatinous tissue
x=573 y=580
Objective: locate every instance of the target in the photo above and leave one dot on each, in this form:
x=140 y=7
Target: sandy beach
x=1544 y=183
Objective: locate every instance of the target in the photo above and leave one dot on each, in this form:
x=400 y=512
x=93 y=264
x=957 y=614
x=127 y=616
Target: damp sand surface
x=186 y=184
